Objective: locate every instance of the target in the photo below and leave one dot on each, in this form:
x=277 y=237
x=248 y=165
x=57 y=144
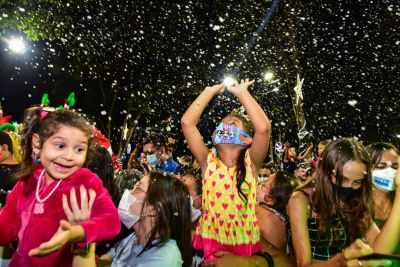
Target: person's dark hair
x=101 y=164
x=157 y=139
x=285 y=183
x=356 y=214
x=376 y=150
x=126 y=179
x=170 y=198
x=196 y=173
x=241 y=170
x=5 y=139
x=45 y=126
x=271 y=166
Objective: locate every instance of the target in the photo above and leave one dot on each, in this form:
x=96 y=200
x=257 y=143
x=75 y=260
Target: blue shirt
x=169 y=165
x=126 y=253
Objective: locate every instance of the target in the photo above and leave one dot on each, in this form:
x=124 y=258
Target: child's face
x=321 y=148
x=388 y=159
x=353 y=174
x=232 y=120
x=63 y=153
x=229 y=135
x=292 y=152
x=189 y=181
x=300 y=173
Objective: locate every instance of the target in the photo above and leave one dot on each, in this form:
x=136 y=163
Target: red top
x=17 y=220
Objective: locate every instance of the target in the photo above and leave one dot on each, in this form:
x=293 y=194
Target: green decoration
x=9 y=126
x=45 y=100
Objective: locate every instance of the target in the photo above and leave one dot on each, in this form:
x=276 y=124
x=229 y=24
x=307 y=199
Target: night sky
x=158 y=55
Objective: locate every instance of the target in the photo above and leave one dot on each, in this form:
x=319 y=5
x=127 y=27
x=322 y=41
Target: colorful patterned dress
x=227 y=223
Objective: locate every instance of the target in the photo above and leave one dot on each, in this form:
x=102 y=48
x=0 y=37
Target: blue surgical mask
x=228 y=134
x=384 y=179
x=152 y=159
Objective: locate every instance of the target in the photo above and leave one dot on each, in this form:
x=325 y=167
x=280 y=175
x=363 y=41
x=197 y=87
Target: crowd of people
x=65 y=201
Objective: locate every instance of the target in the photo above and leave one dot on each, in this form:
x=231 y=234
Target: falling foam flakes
x=352 y=102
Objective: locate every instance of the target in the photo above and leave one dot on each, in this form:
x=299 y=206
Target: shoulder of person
x=87 y=178
x=86 y=174
x=170 y=252
x=298 y=199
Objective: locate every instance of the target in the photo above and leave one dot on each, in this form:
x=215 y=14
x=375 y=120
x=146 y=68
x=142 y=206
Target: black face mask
x=348 y=193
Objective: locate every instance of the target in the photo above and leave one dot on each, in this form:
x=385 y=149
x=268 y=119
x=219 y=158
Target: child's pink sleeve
x=10 y=221
x=104 y=223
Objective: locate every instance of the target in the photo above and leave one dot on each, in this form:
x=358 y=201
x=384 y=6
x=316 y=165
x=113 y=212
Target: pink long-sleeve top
x=18 y=221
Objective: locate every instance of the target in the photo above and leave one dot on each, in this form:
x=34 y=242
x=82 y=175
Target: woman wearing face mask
x=384 y=167
x=158 y=210
x=192 y=179
x=336 y=211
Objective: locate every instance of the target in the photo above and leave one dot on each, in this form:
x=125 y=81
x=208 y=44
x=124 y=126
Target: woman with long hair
x=328 y=216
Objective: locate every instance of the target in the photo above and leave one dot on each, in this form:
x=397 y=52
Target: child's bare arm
x=286 y=158
x=260 y=121
x=306 y=153
x=190 y=119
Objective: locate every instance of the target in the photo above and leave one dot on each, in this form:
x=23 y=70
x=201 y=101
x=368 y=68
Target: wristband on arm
x=75 y=250
x=266 y=256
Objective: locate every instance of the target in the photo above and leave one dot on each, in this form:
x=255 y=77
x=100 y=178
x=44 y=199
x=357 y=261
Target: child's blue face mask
x=228 y=134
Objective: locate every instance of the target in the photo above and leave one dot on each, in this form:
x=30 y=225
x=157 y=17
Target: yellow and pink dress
x=227 y=222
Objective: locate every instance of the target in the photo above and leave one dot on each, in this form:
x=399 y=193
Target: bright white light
x=17 y=45
x=268 y=76
x=229 y=81
x=276 y=89
x=398 y=135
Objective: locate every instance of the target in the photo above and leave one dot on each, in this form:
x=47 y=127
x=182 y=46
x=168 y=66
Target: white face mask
x=195 y=212
x=127 y=218
x=384 y=179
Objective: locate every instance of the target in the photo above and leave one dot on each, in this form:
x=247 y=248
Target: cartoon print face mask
x=228 y=134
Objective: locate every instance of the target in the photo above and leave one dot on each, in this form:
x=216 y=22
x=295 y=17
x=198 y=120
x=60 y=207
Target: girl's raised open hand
x=66 y=232
x=216 y=89
x=69 y=231
x=354 y=253
x=76 y=214
x=240 y=87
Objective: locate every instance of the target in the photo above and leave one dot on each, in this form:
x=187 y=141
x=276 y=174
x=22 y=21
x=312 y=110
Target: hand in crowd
x=69 y=231
x=66 y=232
x=310 y=147
x=359 y=249
x=240 y=87
x=287 y=145
x=216 y=89
x=76 y=214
